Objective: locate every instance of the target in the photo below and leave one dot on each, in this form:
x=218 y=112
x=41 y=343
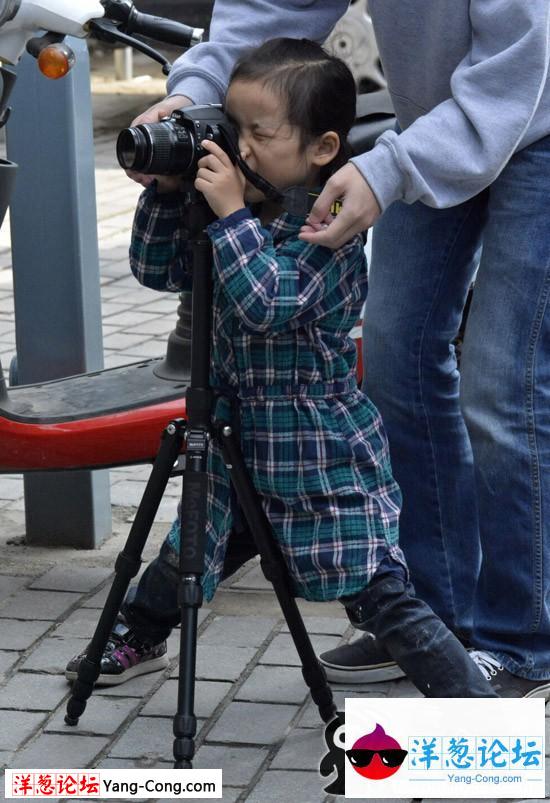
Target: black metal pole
x=126 y=567
x=275 y=570
x=199 y=401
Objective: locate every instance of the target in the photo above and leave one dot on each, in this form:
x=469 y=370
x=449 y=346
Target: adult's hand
x=359 y=211
x=163 y=108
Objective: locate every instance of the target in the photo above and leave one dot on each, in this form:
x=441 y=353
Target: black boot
x=425 y=649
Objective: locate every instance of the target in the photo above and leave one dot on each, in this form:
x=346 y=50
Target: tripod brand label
x=193 y=518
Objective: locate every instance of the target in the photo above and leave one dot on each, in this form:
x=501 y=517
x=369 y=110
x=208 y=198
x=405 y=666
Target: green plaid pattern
x=313 y=442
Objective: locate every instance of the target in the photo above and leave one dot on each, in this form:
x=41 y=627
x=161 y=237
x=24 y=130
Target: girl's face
x=269 y=144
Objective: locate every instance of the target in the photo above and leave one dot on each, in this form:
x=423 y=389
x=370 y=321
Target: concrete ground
x=256 y=721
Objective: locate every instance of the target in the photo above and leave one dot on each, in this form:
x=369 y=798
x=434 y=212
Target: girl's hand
x=221 y=183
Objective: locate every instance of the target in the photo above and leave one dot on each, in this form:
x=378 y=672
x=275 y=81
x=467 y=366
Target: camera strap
x=296 y=200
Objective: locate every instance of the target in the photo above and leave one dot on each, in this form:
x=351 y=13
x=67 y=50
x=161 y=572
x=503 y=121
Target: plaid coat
x=313 y=442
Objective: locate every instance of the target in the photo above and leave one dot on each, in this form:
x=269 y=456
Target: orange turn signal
x=56 y=60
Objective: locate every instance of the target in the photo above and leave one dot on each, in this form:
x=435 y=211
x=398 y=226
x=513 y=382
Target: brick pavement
x=255 y=719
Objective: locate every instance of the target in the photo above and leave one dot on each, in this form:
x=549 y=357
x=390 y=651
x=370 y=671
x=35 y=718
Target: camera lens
x=131 y=149
x=164 y=148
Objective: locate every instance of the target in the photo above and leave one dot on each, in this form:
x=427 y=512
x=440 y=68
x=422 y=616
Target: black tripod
x=197 y=431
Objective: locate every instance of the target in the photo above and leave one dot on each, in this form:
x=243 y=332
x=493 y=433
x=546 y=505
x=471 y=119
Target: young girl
x=314 y=444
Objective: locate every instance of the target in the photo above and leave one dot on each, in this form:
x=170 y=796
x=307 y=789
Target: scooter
x=112 y=417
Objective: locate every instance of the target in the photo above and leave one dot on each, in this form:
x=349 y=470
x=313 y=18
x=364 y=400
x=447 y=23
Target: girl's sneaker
x=124 y=657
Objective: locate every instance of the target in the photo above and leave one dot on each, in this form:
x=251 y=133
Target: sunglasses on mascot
x=390 y=758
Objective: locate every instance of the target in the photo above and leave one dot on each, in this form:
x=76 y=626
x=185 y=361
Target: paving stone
x=98 y=599
x=115 y=360
x=162 y=306
x=52 y=654
x=9 y=585
x=37 y=605
x=155 y=327
x=20 y=635
x=252 y=723
x=5 y=761
x=7 y=660
x=80 y=624
x=17 y=726
x=220 y=663
x=238 y=764
x=326 y=625
x=147 y=736
x=11 y=489
x=149 y=349
x=127 y=493
x=301 y=750
x=238 y=631
x=339 y=799
x=119 y=341
x=228 y=796
x=208 y=695
x=274 y=684
x=134 y=321
x=53 y=750
x=311 y=717
x=33 y=692
x=103 y=716
x=255 y=580
x=134 y=763
x=278 y=785
x=283 y=652
x=83 y=579
x=404 y=688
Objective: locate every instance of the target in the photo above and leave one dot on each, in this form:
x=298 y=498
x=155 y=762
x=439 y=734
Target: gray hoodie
x=469 y=82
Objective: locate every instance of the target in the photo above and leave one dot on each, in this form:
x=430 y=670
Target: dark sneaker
x=503 y=682
x=362 y=661
x=125 y=657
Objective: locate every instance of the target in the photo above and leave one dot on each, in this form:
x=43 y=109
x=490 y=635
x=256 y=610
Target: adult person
x=468 y=169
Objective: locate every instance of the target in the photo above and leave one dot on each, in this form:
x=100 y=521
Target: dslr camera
x=173 y=145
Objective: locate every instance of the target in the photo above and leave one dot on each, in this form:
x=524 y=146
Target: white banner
x=122 y=783
x=444 y=748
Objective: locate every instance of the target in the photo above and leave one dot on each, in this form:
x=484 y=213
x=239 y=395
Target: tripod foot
x=71 y=720
x=321 y=693
x=183 y=765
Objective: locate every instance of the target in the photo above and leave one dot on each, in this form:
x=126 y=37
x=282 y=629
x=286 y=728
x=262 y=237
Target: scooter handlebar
x=164 y=30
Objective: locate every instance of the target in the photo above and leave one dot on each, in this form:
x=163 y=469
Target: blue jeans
x=471 y=452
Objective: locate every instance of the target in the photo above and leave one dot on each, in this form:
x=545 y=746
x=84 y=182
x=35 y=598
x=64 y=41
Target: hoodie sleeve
x=459 y=147
x=237 y=25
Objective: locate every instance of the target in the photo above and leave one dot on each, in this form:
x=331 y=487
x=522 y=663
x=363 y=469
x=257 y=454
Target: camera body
x=173 y=145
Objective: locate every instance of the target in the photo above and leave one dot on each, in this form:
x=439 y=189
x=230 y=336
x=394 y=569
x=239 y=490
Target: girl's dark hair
x=318 y=89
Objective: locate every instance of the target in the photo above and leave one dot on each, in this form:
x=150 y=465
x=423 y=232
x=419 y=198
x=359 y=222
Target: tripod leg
x=126 y=567
x=275 y=571
x=191 y=567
